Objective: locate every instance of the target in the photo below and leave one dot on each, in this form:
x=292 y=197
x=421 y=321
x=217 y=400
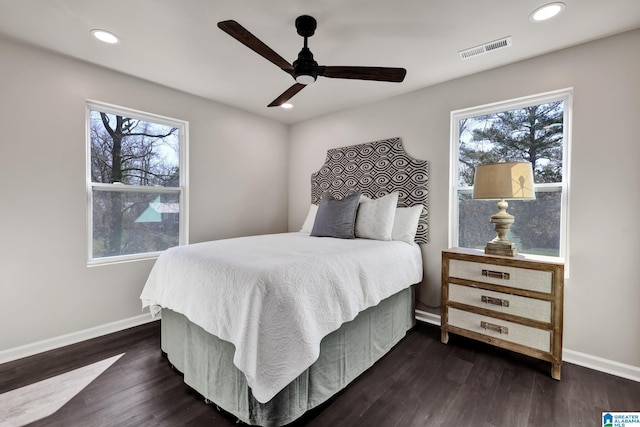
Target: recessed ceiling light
x=547 y=11
x=105 y=36
x=287 y=106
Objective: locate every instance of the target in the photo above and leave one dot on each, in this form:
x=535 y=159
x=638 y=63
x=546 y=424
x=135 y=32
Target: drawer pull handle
x=495 y=301
x=496 y=328
x=495 y=274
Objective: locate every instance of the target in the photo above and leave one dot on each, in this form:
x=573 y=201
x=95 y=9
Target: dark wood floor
x=422 y=382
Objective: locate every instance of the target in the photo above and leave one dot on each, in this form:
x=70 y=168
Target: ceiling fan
x=305 y=69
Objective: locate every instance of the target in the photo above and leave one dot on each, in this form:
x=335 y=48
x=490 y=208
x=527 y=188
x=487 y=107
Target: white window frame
x=565 y=95
x=182 y=190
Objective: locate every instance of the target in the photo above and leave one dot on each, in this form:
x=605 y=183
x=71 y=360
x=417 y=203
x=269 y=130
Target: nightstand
x=514 y=303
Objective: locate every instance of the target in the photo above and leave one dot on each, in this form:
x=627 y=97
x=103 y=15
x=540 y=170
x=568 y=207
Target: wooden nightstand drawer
x=508 y=331
x=529 y=308
x=514 y=277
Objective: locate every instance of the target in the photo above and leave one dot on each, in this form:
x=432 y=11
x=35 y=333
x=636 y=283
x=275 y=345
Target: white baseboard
x=73 y=338
x=603 y=365
x=570 y=356
x=425 y=316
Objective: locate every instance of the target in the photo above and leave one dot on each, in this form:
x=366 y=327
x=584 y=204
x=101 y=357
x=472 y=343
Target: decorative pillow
x=311 y=217
x=405 y=224
x=375 y=217
x=336 y=218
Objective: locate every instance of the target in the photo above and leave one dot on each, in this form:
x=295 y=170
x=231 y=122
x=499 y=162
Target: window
x=136 y=183
x=533 y=129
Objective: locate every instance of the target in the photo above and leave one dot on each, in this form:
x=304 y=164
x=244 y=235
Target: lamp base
x=503 y=248
x=502 y=223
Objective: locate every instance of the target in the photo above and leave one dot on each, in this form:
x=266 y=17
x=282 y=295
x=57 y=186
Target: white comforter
x=274 y=297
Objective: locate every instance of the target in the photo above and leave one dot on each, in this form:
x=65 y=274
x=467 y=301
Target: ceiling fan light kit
x=305 y=70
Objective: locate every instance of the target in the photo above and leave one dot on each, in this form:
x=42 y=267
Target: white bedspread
x=274 y=297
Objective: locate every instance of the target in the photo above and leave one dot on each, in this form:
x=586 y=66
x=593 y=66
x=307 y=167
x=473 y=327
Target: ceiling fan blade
x=365 y=73
x=287 y=95
x=241 y=34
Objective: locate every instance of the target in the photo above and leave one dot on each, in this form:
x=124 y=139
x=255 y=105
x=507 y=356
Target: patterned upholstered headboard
x=375 y=169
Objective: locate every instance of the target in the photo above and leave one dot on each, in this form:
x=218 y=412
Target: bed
x=269 y=327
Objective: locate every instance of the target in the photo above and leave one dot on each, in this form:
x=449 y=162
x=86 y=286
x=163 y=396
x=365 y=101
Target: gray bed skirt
x=207 y=362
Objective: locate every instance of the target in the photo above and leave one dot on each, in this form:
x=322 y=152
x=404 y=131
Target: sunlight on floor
x=39 y=400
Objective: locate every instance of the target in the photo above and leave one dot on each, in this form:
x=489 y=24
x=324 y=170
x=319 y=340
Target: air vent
x=485 y=48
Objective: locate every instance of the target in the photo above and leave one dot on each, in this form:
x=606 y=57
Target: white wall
x=602 y=296
x=46 y=289
x=238 y=176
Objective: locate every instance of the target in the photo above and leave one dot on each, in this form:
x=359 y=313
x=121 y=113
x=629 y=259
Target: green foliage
x=531 y=134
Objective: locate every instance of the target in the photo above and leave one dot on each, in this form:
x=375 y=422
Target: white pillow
x=405 y=223
x=375 y=217
x=311 y=218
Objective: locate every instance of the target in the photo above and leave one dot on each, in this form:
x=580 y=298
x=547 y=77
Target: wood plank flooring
x=421 y=382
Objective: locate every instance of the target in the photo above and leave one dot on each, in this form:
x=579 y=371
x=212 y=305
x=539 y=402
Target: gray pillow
x=336 y=218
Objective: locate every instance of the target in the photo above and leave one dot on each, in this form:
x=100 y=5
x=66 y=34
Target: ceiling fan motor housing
x=306 y=25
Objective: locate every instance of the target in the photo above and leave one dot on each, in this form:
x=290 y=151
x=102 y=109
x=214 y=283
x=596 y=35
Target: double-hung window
x=535 y=129
x=136 y=183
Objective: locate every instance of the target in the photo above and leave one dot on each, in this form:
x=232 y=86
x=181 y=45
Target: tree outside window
x=532 y=130
x=136 y=183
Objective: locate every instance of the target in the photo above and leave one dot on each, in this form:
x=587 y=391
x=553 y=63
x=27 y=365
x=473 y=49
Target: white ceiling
x=177 y=43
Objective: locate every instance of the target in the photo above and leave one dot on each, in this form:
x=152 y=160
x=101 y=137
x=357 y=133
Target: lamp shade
x=504 y=181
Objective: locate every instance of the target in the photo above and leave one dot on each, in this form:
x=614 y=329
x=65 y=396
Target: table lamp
x=502 y=182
